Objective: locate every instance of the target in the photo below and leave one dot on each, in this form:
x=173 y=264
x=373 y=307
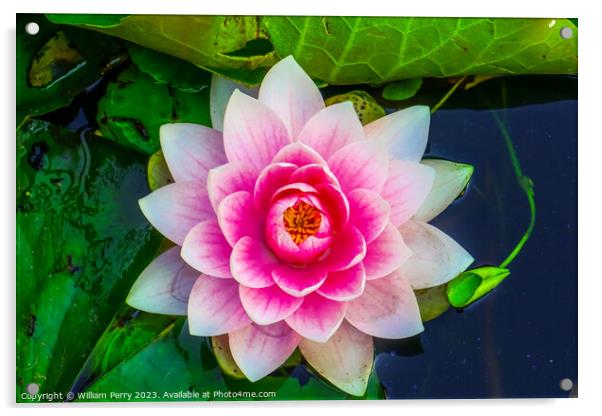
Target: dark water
x=521 y=339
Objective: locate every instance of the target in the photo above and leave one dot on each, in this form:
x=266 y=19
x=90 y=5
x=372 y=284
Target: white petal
x=260 y=349
x=221 y=90
x=191 y=150
x=436 y=258
x=176 y=208
x=404 y=133
x=164 y=286
x=450 y=180
x=291 y=94
x=345 y=359
x=387 y=309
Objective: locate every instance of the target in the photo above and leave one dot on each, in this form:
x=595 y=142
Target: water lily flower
x=296 y=226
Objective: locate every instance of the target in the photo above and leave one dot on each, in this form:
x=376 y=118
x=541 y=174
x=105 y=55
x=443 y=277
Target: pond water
x=521 y=339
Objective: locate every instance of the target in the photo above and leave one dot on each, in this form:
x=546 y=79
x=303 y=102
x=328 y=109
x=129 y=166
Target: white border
x=590 y=202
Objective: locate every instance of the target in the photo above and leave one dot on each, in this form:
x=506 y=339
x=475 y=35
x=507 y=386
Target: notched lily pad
x=226 y=44
x=365 y=106
x=472 y=285
x=170 y=70
x=58 y=63
x=135 y=106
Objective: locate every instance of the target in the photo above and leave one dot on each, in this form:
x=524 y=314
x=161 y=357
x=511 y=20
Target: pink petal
x=436 y=257
x=335 y=204
x=369 y=213
x=237 y=217
x=318 y=318
x=314 y=174
x=297 y=188
x=252 y=132
x=299 y=281
x=291 y=94
x=214 y=307
x=345 y=285
x=387 y=309
x=345 y=359
x=164 y=286
x=227 y=179
x=221 y=91
x=404 y=133
x=252 y=263
x=191 y=150
x=406 y=189
x=206 y=249
x=386 y=253
x=259 y=350
x=361 y=164
x=298 y=154
x=270 y=179
x=268 y=305
x=332 y=129
x=348 y=248
x=175 y=208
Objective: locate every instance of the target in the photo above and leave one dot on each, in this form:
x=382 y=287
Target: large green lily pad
x=376 y=50
x=81 y=243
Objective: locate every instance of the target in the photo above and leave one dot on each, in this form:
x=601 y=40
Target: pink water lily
x=298 y=227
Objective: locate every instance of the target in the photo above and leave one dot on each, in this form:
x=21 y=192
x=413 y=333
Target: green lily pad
x=472 y=285
x=129 y=331
x=135 y=106
x=376 y=50
x=161 y=371
x=57 y=63
x=170 y=70
x=402 y=90
x=365 y=106
x=81 y=243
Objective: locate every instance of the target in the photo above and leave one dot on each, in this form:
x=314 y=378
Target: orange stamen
x=302 y=221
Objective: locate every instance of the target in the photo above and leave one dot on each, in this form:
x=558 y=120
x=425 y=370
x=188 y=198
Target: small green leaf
x=365 y=106
x=402 y=90
x=432 y=302
x=473 y=284
x=158 y=173
x=221 y=350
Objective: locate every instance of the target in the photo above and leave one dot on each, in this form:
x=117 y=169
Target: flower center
x=301 y=221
